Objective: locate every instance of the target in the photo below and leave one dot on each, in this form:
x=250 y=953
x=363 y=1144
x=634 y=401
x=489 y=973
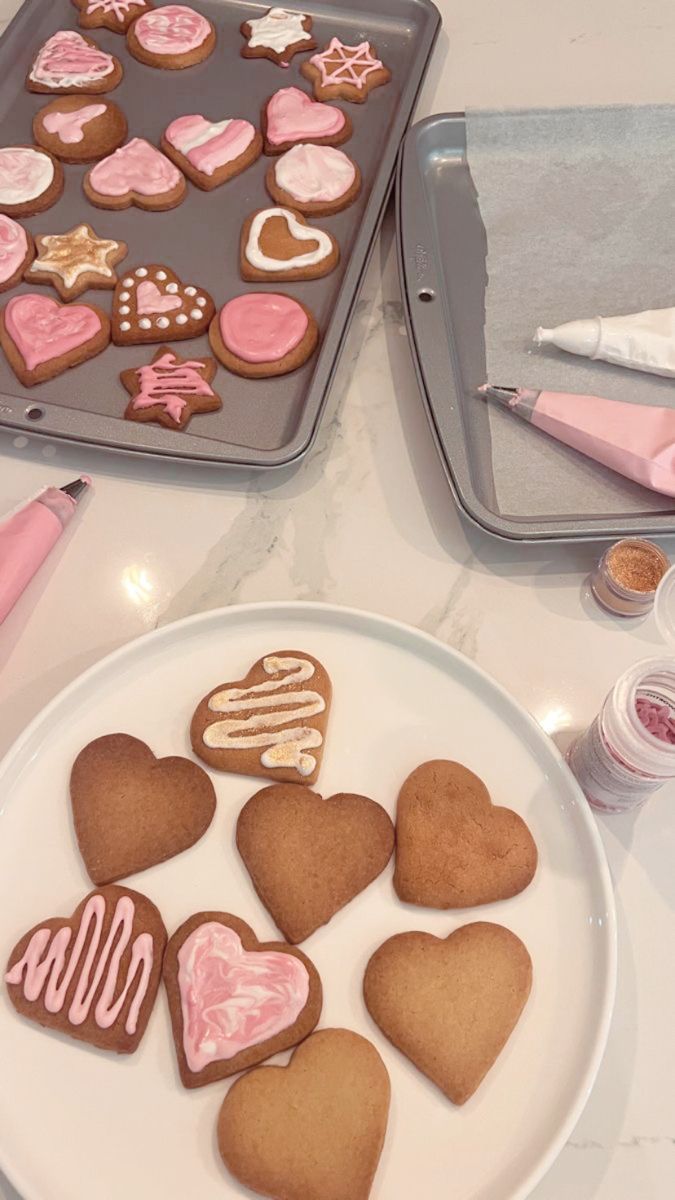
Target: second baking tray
x=262 y=422
x=511 y=480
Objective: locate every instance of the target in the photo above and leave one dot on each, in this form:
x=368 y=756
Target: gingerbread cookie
x=71 y=62
x=211 y=152
x=171 y=37
x=17 y=249
x=115 y=15
x=132 y=810
x=313 y=1129
x=263 y=334
x=278 y=36
x=454 y=848
x=291 y=116
x=151 y=304
x=80 y=129
x=139 y=174
x=95 y=975
x=235 y=1001
x=450 y=1005
x=75 y=261
x=277 y=243
x=31 y=180
x=307 y=856
x=42 y=338
x=315 y=180
x=343 y=72
x=268 y=722
x=170 y=389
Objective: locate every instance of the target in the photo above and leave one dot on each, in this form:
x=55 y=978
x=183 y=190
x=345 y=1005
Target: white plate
x=78 y=1124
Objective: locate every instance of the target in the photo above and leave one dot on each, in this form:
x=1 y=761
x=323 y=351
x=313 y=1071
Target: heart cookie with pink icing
x=211 y=152
x=42 y=338
x=235 y=1001
x=171 y=37
x=262 y=334
x=95 y=975
x=79 y=129
x=71 y=62
x=291 y=116
x=138 y=174
x=151 y=304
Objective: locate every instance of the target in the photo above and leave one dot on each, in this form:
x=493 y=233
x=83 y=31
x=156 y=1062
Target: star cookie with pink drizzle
x=211 y=152
x=80 y=129
x=171 y=37
x=95 y=975
x=345 y=72
x=42 y=338
x=151 y=304
x=170 y=389
x=70 y=62
x=235 y=1001
x=277 y=35
x=75 y=261
x=115 y=15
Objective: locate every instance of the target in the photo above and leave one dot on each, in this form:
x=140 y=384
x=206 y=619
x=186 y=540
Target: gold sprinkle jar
x=627 y=576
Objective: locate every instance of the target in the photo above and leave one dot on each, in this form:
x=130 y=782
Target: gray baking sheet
x=262 y=423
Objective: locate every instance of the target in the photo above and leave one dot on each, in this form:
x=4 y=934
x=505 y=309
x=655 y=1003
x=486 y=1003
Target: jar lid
x=664 y=607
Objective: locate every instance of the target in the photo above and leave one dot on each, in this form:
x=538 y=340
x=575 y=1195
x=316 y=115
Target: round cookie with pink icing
x=291 y=116
x=262 y=334
x=80 y=129
x=172 y=37
x=314 y=180
x=211 y=152
x=31 y=180
x=69 y=62
x=42 y=338
x=235 y=1001
x=138 y=173
x=17 y=251
x=341 y=72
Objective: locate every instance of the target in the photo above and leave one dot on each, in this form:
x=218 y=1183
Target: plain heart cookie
x=71 y=62
x=450 y=1005
x=151 y=304
x=138 y=173
x=94 y=975
x=454 y=848
x=270 y=723
x=279 y=244
x=42 y=338
x=291 y=116
x=313 y=1130
x=132 y=810
x=235 y=1001
x=307 y=856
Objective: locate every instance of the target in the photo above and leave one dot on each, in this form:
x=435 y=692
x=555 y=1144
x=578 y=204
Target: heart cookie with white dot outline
x=151 y=304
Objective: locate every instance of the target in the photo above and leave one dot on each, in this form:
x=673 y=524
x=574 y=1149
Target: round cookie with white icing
x=70 y=62
x=115 y=15
x=271 y=723
x=138 y=173
x=80 y=129
x=315 y=180
x=151 y=304
x=31 y=180
x=211 y=152
x=17 y=250
x=172 y=37
x=277 y=35
x=278 y=243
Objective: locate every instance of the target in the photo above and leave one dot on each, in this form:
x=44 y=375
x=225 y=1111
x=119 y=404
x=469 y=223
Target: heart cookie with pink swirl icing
x=139 y=174
x=71 y=62
x=211 y=152
x=115 y=15
x=171 y=37
x=263 y=334
x=42 y=338
x=79 y=129
x=95 y=975
x=291 y=116
x=235 y=1001
x=151 y=304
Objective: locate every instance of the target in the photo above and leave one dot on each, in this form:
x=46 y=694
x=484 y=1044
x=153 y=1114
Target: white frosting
x=51 y=75
x=277 y=30
x=282 y=746
x=643 y=341
x=303 y=233
x=313 y=173
x=18 y=186
x=209 y=131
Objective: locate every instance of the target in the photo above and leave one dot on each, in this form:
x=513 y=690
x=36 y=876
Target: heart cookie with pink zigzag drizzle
x=151 y=304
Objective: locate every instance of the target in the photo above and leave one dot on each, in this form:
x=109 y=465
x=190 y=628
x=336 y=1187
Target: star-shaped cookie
x=75 y=261
x=169 y=389
x=343 y=72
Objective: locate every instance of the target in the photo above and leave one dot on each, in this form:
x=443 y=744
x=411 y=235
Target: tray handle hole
x=34 y=412
x=426 y=295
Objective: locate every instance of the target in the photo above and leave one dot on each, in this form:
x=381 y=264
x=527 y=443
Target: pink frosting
x=68 y=126
x=42 y=329
x=233 y=998
x=136 y=167
x=149 y=299
x=292 y=116
x=167 y=382
x=205 y=145
x=13 y=247
x=262 y=326
x=338 y=63
x=174 y=29
x=45 y=961
x=68 y=60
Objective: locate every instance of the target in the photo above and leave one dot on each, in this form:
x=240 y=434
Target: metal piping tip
x=76 y=488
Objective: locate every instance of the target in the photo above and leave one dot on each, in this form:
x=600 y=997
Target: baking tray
x=442 y=251
x=262 y=423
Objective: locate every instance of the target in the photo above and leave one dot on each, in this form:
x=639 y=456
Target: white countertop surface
x=367 y=520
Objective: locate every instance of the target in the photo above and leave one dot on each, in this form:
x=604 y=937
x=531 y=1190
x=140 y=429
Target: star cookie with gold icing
x=75 y=261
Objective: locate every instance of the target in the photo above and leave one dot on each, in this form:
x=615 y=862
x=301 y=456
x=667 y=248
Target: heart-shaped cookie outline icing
x=188 y=319
x=298 y=229
x=22 y=322
x=181 y=977
x=328 y=121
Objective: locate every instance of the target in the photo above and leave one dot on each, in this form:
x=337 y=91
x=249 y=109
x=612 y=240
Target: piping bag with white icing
x=636 y=440
x=643 y=341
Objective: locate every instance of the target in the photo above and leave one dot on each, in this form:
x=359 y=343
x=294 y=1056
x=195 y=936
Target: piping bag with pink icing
x=635 y=440
x=643 y=341
x=29 y=533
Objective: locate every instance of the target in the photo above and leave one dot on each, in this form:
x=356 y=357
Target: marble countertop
x=155 y=542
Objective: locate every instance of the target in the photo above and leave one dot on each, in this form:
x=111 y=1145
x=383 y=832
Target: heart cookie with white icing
x=70 y=62
x=270 y=723
x=278 y=243
x=151 y=304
